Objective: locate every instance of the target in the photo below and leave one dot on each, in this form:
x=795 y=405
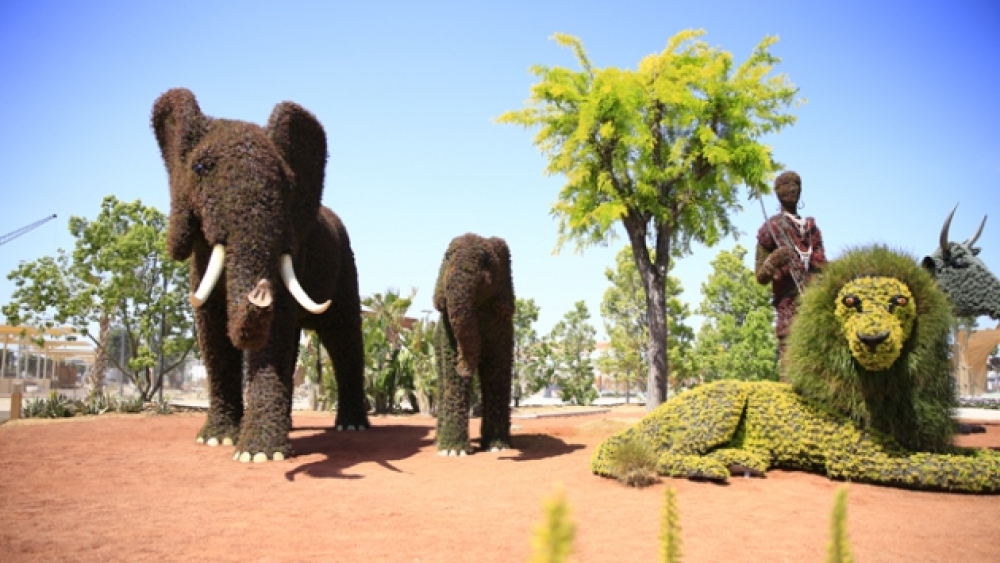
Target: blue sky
x=901 y=121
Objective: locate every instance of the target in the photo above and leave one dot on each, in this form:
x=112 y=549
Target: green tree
x=736 y=340
x=317 y=371
x=422 y=358
x=626 y=320
x=118 y=275
x=388 y=371
x=660 y=150
x=525 y=345
x=573 y=342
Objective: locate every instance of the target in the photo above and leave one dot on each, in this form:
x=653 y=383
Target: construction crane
x=14 y=234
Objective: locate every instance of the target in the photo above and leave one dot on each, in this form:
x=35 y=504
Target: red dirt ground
x=137 y=488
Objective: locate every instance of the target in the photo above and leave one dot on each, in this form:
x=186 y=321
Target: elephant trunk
x=464 y=322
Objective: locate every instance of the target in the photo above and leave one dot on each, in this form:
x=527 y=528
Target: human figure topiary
x=475 y=295
x=789 y=251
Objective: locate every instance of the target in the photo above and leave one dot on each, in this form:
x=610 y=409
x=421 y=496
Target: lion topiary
x=869 y=396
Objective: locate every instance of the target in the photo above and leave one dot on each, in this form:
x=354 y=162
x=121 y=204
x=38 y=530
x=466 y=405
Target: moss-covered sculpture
x=844 y=413
x=245 y=208
x=475 y=295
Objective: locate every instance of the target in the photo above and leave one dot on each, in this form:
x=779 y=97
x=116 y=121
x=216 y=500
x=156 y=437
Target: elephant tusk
x=212 y=273
x=292 y=283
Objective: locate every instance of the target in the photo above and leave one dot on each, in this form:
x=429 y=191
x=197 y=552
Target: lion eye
x=897 y=301
x=852 y=301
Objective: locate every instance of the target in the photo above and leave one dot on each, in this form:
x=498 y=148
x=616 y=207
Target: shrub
x=633 y=462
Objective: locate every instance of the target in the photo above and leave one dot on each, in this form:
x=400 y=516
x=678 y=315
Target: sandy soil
x=137 y=488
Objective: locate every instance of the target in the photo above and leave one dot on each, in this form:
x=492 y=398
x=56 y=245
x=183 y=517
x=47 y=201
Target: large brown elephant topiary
x=475 y=295
x=245 y=208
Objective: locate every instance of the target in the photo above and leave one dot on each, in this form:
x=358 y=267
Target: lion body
x=870 y=396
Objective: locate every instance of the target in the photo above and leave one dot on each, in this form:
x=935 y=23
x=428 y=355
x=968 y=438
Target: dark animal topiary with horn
x=973 y=289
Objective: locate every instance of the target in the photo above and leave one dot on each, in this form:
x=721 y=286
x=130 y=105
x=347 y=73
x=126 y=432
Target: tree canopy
x=572 y=342
x=660 y=150
x=626 y=322
x=736 y=340
x=118 y=274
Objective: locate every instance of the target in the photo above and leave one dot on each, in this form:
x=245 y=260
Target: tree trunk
x=95 y=377
x=656 y=388
x=654 y=278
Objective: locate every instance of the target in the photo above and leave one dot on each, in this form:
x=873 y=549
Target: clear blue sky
x=901 y=123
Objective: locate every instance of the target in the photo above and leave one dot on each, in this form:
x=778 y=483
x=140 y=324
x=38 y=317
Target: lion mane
x=911 y=397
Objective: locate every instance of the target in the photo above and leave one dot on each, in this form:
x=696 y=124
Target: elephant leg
x=495 y=376
x=224 y=369
x=267 y=419
x=344 y=343
x=455 y=393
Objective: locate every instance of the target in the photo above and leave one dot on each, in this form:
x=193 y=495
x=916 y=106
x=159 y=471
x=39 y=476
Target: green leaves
x=572 y=341
x=671 y=139
x=118 y=268
x=626 y=321
x=736 y=340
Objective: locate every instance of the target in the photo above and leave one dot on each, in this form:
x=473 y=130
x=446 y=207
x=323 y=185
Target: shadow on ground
x=533 y=447
x=381 y=445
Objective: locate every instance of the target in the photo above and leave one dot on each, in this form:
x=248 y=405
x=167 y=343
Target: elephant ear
x=179 y=126
x=300 y=139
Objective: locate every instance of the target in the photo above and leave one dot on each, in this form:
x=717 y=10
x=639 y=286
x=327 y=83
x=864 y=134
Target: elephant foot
x=213 y=441
x=349 y=422
x=453 y=453
x=263 y=442
x=259 y=457
x=496 y=445
x=216 y=432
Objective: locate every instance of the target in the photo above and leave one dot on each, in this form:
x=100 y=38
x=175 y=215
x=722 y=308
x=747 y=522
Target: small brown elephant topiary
x=245 y=208
x=475 y=295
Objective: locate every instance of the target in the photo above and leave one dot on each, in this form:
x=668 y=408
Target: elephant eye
x=852 y=301
x=897 y=301
x=200 y=168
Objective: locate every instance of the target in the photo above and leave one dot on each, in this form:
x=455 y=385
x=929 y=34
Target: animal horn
x=944 y=231
x=975 y=237
x=212 y=273
x=292 y=283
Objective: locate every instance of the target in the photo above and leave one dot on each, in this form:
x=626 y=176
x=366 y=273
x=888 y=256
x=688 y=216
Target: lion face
x=876 y=315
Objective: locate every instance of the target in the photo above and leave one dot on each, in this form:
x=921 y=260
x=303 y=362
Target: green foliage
x=526 y=346
x=662 y=150
x=421 y=358
x=57 y=405
x=553 y=540
x=670 y=529
x=913 y=398
x=323 y=383
x=626 y=321
x=119 y=269
x=573 y=342
x=633 y=462
x=736 y=339
x=388 y=365
x=839 y=550
x=709 y=431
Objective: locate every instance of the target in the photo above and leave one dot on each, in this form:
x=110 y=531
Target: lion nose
x=873 y=340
